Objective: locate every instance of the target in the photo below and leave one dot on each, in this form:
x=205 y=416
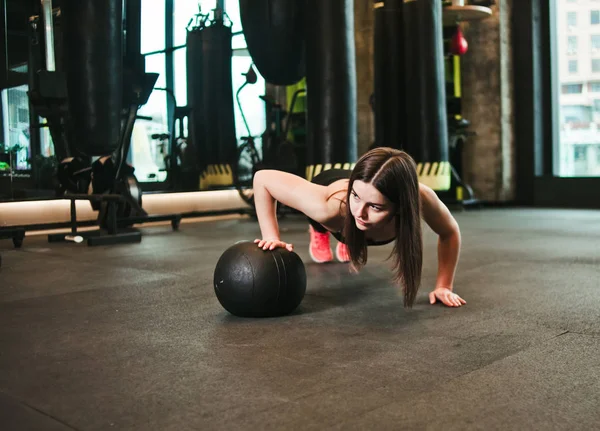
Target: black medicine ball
x=252 y=282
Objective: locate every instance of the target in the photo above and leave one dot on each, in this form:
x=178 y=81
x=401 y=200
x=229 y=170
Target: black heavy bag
x=274 y=32
x=331 y=85
x=390 y=121
x=252 y=282
x=210 y=94
x=93 y=68
x=426 y=113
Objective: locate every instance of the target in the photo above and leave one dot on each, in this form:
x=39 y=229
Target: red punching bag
x=459 y=44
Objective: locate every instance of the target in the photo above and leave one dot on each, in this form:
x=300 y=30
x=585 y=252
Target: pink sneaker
x=319 y=248
x=341 y=252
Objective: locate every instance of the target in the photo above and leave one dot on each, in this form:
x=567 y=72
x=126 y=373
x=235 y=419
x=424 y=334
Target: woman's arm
x=292 y=191
x=441 y=221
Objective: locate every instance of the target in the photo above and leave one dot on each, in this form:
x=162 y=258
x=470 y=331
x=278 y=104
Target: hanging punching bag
x=426 y=113
x=92 y=37
x=210 y=97
x=193 y=45
x=330 y=86
x=390 y=121
x=274 y=32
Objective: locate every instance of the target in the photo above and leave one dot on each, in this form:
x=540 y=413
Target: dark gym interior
x=131 y=134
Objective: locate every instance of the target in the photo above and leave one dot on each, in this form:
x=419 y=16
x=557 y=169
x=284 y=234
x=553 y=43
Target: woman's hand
x=272 y=244
x=446 y=296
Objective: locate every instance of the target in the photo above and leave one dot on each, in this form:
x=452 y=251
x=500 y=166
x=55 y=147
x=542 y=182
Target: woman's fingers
x=261 y=243
x=451 y=300
x=272 y=244
x=446 y=297
x=457 y=300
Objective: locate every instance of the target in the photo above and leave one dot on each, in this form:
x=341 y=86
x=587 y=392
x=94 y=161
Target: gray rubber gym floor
x=132 y=336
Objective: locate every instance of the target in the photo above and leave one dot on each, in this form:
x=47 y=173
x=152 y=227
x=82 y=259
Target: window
x=252 y=106
x=576 y=113
x=579 y=102
x=146 y=154
x=572 y=88
x=184 y=11
x=233 y=12
x=153 y=26
x=572 y=45
x=15 y=120
x=572 y=66
x=579 y=153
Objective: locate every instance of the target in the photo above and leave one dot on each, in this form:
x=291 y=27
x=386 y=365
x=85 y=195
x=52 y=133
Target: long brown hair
x=394 y=173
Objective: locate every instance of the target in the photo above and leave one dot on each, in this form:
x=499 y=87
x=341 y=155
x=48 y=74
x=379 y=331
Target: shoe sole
x=317 y=260
x=337 y=256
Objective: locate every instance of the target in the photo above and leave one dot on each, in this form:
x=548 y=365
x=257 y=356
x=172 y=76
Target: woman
x=377 y=202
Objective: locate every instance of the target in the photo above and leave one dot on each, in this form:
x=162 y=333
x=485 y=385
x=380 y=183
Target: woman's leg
x=319 y=247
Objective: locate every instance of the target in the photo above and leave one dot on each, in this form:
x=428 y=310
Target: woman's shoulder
x=338 y=189
x=335 y=195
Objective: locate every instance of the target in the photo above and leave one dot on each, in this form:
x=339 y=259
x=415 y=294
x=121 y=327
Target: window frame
x=536 y=95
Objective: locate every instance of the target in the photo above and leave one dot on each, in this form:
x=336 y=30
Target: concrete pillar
x=487 y=82
x=364 y=19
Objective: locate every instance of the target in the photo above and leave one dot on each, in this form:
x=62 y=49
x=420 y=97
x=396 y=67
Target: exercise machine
x=90 y=111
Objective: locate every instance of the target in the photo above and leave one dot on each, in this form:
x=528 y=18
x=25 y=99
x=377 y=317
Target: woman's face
x=369 y=207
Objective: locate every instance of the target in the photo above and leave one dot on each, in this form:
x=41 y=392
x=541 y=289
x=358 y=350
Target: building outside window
x=572 y=45
x=579 y=101
x=572 y=66
x=15 y=113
